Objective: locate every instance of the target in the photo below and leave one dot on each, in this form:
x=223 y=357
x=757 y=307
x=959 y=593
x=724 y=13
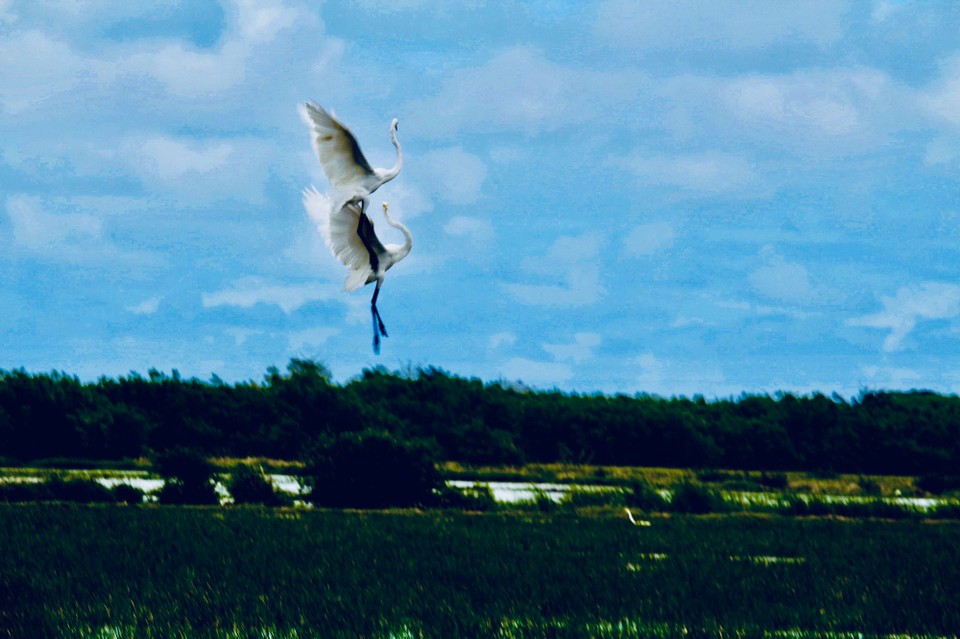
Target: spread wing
x=339 y=232
x=338 y=151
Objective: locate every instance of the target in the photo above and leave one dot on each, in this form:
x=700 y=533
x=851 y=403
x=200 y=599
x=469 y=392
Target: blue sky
x=674 y=197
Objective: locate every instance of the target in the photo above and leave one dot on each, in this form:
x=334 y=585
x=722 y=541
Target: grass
x=67 y=571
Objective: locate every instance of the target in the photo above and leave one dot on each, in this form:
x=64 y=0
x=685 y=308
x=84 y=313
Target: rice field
x=114 y=571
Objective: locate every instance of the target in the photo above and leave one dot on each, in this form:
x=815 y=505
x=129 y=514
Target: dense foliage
x=188 y=478
x=57 y=415
x=371 y=469
x=175 y=572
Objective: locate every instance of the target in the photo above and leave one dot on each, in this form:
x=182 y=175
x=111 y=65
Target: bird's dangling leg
x=378 y=327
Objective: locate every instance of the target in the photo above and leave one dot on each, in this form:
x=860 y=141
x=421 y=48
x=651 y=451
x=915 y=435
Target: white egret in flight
x=350 y=236
x=342 y=160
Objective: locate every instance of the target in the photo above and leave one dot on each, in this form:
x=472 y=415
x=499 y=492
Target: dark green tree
x=372 y=469
x=188 y=478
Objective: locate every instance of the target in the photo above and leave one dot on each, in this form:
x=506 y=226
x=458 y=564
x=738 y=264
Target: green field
x=71 y=571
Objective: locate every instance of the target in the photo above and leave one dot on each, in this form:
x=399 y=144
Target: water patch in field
x=513 y=492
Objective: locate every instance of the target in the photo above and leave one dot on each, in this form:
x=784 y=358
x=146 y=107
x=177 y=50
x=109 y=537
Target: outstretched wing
x=338 y=151
x=339 y=232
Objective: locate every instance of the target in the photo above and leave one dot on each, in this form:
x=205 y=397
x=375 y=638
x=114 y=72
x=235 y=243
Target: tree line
x=285 y=415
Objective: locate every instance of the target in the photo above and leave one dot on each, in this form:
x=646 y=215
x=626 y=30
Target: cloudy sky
x=673 y=197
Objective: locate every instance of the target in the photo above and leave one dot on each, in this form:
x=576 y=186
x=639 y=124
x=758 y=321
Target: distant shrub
x=188 y=478
x=869 y=486
x=16 y=491
x=478 y=497
x=74 y=463
x=743 y=485
x=776 y=481
x=127 y=494
x=937 y=483
x=945 y=511
x=640 y=494
x=85 y=491
x=543 y=501
x=248 y=485
x=579 y=498
x=714 y=476
x=372 y=470
x=693 y=499
x=875 y=508
x=824 y=473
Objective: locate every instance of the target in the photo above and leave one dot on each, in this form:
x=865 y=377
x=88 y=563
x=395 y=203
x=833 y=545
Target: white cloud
x=452 y=174
x=7 y=16
x=197 y=171
x=250 y=291
x=942 y=151
x=781 y=280
x=504 y=338
x=534 y=373
x=684 y=322
x=651 y=375
x=709 y=173
x=839 y=110
x=645 y=240
x=572 y=259
x=694 y=25
x=582 y=288
x=146 y=307
x=669 y=378
x=761 y=309
x=478 y=230
x=884 y=9
x=889 y=377
x=36 y=68
x=942 y=98
x=40 y=231
x=241 y=335
x=47 y=233
x=171 y=159
x=298 y=340
x=509 y=154
x=188 y=72
x=263 y=20
x=520 y=90
x=580 y=350
x=900 y=314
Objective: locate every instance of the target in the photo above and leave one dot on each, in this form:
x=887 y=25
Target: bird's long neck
x=392 y=173
x=407 y=238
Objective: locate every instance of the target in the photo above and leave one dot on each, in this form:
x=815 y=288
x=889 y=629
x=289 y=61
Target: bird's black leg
x=373 y=305
x=378 y=327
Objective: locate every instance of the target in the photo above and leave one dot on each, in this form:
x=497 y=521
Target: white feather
x=341 y=158
x=335 y=145
x=339 y=232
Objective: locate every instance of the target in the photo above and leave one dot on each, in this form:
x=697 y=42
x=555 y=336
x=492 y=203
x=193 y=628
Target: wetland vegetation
x=774 y=516
x=207 y=572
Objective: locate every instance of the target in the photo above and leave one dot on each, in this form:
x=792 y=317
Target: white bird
x=342 y=160
x=351 y=237
x=633 y=521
